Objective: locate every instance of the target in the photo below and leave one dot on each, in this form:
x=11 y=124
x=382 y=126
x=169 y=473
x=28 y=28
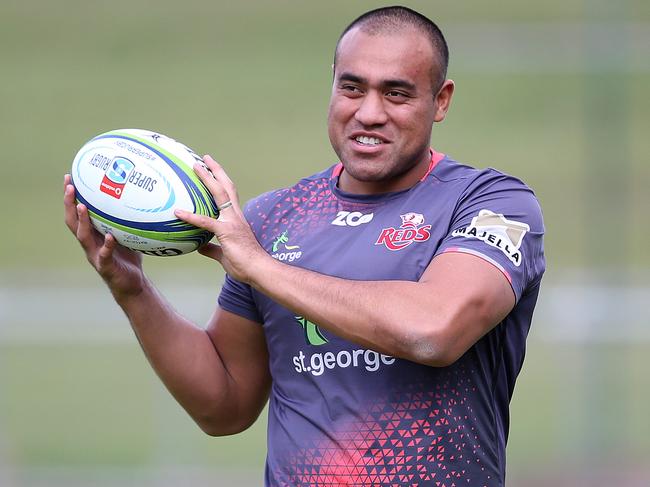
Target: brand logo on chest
x=351 y=218
x=411 y=231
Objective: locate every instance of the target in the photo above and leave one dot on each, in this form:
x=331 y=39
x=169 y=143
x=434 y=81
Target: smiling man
x=389 y=342
x=389 y=89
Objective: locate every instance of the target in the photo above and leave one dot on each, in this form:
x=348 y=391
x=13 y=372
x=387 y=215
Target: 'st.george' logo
x=412 y=230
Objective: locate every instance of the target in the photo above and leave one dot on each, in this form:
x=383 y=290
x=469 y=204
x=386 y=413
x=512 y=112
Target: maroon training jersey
x=340 y=414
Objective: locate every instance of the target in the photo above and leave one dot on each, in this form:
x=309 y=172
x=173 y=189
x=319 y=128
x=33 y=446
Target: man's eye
x=396 y=94
x=351 y=88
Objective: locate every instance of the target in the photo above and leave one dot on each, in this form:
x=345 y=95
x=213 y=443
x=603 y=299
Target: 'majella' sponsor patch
x=496 y=230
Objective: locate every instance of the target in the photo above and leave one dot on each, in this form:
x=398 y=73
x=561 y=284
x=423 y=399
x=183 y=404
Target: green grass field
x=95 y=405
x=249 y=83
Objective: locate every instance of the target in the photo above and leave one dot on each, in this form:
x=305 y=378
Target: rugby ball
x=132 y=180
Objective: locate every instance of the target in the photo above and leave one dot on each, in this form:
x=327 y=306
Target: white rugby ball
x=132 y=180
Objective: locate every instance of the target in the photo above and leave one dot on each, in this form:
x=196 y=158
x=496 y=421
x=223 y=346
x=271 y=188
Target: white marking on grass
x=573 y=307
x=56 y=310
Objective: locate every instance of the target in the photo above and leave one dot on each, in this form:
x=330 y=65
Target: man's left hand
x=238 y=249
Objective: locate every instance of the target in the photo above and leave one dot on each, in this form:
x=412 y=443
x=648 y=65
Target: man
x=382 y=304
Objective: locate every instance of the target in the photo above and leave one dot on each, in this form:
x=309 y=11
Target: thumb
x=212 y=251
x=105 y=255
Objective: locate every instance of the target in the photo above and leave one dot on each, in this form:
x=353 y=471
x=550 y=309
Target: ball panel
x=167 y=227
x=152 y=246
x=181 y=160
x=144 y=190
x=131 y=180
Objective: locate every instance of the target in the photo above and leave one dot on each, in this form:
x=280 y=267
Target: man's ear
x=443 y=100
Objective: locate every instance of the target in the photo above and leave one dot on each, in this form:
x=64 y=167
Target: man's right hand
x=219 y=374
x=120 y=267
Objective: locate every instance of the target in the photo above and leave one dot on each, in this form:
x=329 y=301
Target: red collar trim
x=338 y=169
x=436 y=157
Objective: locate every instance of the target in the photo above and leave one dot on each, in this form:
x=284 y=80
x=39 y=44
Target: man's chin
x=365 y=171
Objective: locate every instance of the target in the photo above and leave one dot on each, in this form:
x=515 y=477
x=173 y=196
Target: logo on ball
x=116 y=176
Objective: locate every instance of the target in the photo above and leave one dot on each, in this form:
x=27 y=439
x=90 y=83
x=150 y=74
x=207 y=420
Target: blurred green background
x=555 y=92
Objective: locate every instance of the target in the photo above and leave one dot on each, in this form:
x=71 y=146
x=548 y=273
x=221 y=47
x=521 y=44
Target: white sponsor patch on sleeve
x=496 y=230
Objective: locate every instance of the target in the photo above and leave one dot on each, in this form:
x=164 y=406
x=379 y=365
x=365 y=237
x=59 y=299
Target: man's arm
x=219 y=375
x=459 y=298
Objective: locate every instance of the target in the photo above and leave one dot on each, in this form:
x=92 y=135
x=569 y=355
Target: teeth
x=362 y=139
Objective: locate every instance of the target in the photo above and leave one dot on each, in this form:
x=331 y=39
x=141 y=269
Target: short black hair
x=387 y=20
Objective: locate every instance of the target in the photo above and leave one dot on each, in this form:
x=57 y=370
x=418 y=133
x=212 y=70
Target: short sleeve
x=498 y=218
x=237 y=298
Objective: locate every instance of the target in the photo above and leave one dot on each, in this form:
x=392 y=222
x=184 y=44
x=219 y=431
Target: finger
x=85 y=229
x=218 y=191
x=105 y=254
x=222 y=178
x=201 y=221
x=212 y=251
x=69 y=208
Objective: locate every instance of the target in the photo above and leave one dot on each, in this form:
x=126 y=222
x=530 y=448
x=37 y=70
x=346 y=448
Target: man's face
x=382 y=109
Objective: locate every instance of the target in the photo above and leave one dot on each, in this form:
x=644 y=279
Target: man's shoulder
x=470 y=179
x=473 y=185
x=449 y=170
x=489 y=188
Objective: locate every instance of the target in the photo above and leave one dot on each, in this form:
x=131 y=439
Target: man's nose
x=372 y=110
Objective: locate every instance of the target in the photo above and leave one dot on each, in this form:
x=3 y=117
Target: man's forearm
x=182 y=355
x=434 y=321
x=392 y=317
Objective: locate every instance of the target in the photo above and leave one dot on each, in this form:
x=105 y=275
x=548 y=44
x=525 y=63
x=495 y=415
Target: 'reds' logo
x=412 y=230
